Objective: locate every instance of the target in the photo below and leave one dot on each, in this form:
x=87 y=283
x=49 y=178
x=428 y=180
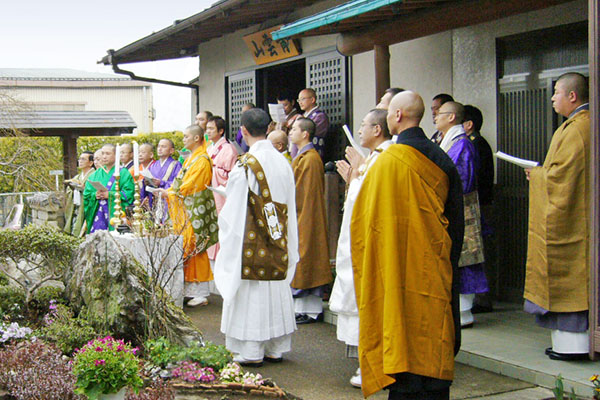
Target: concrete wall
x=474 y=56
x=136 y=100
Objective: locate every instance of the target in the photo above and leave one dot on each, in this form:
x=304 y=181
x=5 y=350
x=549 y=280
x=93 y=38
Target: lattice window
x=242 y=90
x=326 y=74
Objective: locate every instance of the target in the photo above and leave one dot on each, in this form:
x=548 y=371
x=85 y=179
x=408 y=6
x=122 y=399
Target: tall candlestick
x=117 y=161
x=136 y=159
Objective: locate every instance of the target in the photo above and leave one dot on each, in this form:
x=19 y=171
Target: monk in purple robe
x=461 y=150
x=164 y=170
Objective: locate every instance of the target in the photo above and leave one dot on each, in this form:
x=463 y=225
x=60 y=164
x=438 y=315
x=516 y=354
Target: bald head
x=449 y=115
x=575 y=82
x=279 y=140
x=405 y=111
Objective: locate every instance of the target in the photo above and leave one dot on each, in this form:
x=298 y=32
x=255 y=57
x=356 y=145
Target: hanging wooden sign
x=265 y=50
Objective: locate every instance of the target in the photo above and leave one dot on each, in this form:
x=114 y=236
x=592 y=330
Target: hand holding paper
x=360 y=150
x=521 y=162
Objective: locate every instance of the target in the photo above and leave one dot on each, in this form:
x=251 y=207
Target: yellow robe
x=557 y=272
x=197 y=177
x=313 y=269
x=402 y=270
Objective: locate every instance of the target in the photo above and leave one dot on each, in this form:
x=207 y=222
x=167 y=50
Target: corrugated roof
x=56 y=74
x=47 y=122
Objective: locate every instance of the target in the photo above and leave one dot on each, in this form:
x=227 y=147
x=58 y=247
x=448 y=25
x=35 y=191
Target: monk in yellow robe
x=195 y=176
x=406 y=236
x=557 y=278
x=313 y=271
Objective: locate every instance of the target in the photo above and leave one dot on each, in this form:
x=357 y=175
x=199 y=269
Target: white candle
x=117 y=161
x=136 y=159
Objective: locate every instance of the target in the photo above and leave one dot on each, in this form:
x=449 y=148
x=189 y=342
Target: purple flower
x=99 y=349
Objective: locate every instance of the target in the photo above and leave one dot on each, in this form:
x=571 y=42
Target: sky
x=76 y=34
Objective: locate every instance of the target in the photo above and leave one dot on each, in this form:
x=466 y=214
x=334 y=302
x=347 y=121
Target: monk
x=557 y=270
x=164 y=170
x=406 y=235
x=279 y=140
x=313 y=271
x=194 y=177
x=99 y=204
x=74 y=211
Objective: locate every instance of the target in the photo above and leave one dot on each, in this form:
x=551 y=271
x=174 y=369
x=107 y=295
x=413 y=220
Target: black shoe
x=467 y=326
x=548 y=351
x=273 y=359
x=568 y=356
x=302 y=319
x=479 y=309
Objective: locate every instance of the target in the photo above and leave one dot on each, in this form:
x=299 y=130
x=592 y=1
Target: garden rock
x=110 y=289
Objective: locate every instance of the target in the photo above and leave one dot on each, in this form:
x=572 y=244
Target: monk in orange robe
x=195 y=176
x=406 y=236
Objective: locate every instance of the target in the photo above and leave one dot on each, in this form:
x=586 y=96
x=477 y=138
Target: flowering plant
x=234 y=373
x=105 y=366
x=194 y=372
x=595 y=379
x=12 y=331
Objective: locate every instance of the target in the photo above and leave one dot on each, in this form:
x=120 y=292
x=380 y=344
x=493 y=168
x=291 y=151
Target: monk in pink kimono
x=224 y=156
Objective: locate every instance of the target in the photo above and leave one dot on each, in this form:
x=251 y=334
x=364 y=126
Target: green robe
x=90 y=203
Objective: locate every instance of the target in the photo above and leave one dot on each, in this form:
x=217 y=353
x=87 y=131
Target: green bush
x=43 y=296
x=161 y=352
x=66 y=332
x=12 y=302
x=209 y=355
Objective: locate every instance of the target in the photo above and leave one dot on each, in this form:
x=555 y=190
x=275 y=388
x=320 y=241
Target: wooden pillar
x=69 y=142
x=594 y=63
x=332 y=210
x=382 y=70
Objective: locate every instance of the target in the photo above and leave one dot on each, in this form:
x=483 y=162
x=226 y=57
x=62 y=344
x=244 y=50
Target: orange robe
x=197 y=176
x=402 y=270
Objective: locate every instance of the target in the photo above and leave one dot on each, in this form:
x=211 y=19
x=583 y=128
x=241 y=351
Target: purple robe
x=322 y=126
x=159 y=171
x=102 y=219
x=465 y=157
x=239 y=139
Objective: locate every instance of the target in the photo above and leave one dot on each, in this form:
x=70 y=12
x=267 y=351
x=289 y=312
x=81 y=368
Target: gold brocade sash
x=264 y=250
x=472 y=249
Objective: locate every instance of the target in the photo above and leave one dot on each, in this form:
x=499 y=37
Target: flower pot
x=120 y=395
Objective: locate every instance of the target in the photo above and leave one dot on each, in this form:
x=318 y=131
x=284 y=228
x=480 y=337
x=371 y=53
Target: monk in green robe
x=99 y=204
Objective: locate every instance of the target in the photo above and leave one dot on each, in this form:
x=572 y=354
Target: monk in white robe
x=375 y=136
x=258 y=315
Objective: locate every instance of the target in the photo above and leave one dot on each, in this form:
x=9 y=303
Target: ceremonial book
x=98 y=186
x=521 y=162
x=277 y=113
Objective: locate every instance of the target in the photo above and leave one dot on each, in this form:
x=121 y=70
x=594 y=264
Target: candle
x=117 y=161
x=136 y=159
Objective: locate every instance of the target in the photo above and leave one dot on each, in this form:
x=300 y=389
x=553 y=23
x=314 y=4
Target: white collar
x=451 y=136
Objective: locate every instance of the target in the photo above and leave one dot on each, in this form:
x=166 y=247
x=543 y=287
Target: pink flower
x=99 y=362
x=99 y=349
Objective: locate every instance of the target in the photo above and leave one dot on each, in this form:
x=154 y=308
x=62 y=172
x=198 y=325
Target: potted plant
x=105 y=368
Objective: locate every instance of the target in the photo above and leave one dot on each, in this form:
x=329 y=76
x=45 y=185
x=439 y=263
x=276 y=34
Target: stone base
x=217 y=391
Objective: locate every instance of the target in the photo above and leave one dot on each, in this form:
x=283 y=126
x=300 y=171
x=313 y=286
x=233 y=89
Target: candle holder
x=118 y=211
x=137 y=210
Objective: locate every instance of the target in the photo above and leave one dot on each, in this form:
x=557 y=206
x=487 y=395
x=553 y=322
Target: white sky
x=76 y=34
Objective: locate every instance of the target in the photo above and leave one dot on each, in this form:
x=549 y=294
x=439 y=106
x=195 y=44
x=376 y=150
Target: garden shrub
x=35 y=370
x=157 y=390
x=66 y=332
x=12 y=302
x=210 y=355
x=47 y=253
x=161 y=352
x=44 y=295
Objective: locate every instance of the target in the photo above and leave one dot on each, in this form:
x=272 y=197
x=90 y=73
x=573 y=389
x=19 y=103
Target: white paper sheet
x=277 y=113
x=98 y=185
x=521 y=162
x=356 y=146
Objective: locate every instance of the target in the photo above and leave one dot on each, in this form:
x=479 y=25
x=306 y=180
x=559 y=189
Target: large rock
x=108 y=287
